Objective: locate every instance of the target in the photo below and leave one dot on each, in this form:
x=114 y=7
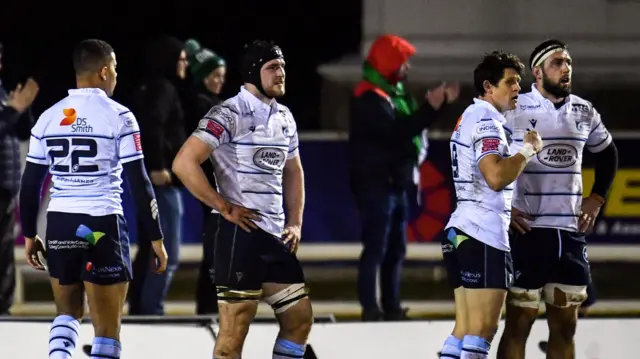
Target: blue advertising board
x=330 y=215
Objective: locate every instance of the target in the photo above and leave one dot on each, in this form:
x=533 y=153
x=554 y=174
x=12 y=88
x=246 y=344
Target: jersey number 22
x=65 y=144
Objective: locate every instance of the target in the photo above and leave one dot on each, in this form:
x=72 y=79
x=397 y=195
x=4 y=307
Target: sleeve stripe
x=488 y=153
x=124 y=113
x=37 y=158
x=601 y=142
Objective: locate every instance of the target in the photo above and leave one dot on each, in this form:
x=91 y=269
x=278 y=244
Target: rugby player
x=253 y=143
x=476 y=245
x=87 y=142
x=549 y=215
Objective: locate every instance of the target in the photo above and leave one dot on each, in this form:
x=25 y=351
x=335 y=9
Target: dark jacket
x=158 y=108
x=14 y=127
x=198 y=102
x=381 y=148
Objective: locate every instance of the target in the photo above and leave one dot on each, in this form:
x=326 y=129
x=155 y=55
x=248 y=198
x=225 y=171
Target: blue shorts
x=93 y=249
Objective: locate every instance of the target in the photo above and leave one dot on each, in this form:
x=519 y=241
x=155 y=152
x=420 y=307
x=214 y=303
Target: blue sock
x=285 y=349
x=474 y=347
x=105 y=348
x=451 y=348
x=63 y=337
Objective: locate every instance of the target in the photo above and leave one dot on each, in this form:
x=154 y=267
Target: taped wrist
x=527 y=151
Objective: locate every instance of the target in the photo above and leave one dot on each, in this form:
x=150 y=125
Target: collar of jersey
x=87 y=91
x=547 y=103
x=490 y=107
x=258 y=108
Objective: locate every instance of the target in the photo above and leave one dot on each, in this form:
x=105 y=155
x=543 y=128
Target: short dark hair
x=549 y=45
x=90 y=55
x=492 y=69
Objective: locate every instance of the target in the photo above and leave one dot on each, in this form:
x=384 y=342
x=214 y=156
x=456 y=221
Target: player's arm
x=132 y=159
x=35 y=172
x=490 y=144
x=293 y=185
x=376 y=116
x=214 y=130
x=601 y=144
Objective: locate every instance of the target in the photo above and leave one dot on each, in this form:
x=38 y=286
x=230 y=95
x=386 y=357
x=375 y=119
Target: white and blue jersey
x=251 y=142
x=84 y=139
x=481 y=212
x=550 y=187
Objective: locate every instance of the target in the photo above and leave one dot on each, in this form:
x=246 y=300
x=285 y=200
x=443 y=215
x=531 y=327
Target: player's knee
x=227 y=347
x=293 y=308
x=522 y=311
x=524 y=298
x=564 y=296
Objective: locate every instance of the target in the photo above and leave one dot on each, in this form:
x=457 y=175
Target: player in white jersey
x=87 y=142
x=550 y=216
x=476 y=245
x=253 y=143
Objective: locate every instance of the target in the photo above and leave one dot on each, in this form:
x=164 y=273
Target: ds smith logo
x=78 y=124
x=89 y=235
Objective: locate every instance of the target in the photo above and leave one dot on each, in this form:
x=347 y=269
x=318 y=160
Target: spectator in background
x=157 y=104
x=384 y=142
x=207 y=71
x=16 y=121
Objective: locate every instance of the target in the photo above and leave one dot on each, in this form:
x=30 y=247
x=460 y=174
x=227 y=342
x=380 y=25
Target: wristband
x=527 y=151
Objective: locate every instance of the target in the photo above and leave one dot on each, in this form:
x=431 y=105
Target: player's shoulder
x=113 y=106
x=477 y=114
x=580 y=105
x=54 y=112
x=117 y=113
x=227 y=111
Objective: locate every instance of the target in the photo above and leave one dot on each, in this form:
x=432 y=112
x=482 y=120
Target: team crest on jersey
x=580 y=126
x=533 y=122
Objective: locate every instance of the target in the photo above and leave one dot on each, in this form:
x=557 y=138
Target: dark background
x=38 y=40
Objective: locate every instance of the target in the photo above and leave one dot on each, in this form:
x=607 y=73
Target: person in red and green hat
x=385 y=140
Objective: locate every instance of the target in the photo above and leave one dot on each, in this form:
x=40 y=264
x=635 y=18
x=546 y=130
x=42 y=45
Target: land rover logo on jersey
x=558 y=155
x=269 y=158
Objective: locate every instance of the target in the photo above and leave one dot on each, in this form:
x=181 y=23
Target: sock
x=105 y=348
x=285 y=349
x=63 y=337
x=474 y=347
x=451 y=348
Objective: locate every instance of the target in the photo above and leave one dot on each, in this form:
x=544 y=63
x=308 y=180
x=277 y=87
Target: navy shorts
x=244 y=261
x=473 y=264
x=93 y=249
x=548 y=255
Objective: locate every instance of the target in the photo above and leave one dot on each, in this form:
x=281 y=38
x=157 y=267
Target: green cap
x=202 y=61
